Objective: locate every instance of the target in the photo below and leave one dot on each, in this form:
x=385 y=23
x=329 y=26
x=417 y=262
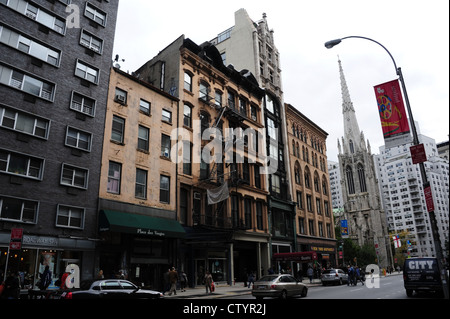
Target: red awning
x=305 y=256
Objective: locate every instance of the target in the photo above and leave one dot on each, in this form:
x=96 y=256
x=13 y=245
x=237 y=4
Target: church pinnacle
x=352 y=134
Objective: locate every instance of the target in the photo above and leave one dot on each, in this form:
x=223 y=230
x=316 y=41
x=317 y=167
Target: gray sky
x=415 y=32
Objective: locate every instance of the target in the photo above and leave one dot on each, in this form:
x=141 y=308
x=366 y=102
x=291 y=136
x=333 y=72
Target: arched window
x=316 y=183
x=307 y=178
x=324 y=186
x=362 y=178
x=297 y=173
x=350 y=184
x=352 y=148
x=298 y=150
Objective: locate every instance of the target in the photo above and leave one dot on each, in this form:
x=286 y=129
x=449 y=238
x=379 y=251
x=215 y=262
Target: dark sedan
x=110 y=289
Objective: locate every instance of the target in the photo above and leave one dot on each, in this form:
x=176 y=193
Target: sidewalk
x=223 y=290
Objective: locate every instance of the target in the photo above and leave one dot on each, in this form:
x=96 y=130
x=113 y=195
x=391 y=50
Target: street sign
x=15 y=242
x=418 y=154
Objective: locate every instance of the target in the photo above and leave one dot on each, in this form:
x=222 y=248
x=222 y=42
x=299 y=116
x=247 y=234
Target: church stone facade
x=362 y=204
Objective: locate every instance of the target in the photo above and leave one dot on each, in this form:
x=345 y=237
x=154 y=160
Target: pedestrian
x=208 y=281
x=251 y=279
x=166 y=284
x=100 y=274
x=46 y=278
x=271 y=271
x=183 y=281
x=358 y=276
x=11 y=288
x=310 y=273
x=173 y=279
x=351 y=273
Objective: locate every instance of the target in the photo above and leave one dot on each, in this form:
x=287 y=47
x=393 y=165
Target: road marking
x=356 y=289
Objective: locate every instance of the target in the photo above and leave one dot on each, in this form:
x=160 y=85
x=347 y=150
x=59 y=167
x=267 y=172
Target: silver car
x=334 y=276
x=281 y=286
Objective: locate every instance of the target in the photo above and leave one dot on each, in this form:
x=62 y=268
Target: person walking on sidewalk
x=208 y=281
x=173 y=278
x=251 y=279
x=183 y=281
x=310 y=273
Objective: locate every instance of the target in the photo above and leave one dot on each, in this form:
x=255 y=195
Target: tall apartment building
x=54 y=73
x=403 y=195
x=311 y=186
x=221 y=192
x=337 y=202
x=250 y=45
x=138 y=223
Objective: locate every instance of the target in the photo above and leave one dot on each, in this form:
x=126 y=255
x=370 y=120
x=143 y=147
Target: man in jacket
x=173 y=278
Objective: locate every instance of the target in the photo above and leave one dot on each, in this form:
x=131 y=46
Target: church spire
x=351 y=127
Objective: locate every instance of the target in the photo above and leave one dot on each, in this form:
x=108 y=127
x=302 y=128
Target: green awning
x=110 y=220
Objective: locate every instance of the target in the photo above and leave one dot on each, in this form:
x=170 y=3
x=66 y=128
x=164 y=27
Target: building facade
x=138 y=223
x=250 y=45
x=53 y=86
x=362 y=203
x=311 y=186
x=222 y=197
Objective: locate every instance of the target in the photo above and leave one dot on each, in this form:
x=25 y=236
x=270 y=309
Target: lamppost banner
x=391 y=109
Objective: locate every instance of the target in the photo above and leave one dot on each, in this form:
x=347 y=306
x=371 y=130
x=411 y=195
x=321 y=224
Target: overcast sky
x=415 y=32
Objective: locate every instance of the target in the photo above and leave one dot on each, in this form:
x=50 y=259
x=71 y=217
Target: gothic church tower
x=362 y=205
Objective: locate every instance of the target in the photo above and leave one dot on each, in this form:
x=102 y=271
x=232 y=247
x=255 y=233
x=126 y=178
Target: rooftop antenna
x=116 y=60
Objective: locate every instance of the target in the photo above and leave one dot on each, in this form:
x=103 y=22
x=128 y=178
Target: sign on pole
x=344 y=228
x=15 y=242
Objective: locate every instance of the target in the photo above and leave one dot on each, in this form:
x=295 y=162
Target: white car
x=334 y=276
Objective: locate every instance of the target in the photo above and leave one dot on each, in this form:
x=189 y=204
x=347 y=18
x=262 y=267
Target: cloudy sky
x=415 y=32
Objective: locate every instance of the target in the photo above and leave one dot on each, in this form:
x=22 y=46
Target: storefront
x=138 y=247
x=38 y=251
x=295 y=263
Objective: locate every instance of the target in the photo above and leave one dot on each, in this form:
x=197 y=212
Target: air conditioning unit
x=120 y=98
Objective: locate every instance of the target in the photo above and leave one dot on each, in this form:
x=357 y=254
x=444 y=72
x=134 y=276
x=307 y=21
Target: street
x=389 y=288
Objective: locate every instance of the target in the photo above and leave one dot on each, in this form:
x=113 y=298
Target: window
x=29 y=46
x=362 y=178
x=20 y=164
x=120 y=96
x=165 y=145
x=321 y=234
x=235 y=210
x=143 y=138
x=24 y=7
x=271 y=129
x=141 y=184
x=301 y=225
x=276 y=184
x=144 y=106
x=164 y=193
x=187 y=158
x=311 y=228
x=91 y=41
x=253 y=113
x=248 y=212
x=218 y=98
x=95 y=14
x=72 y=217
x=269 y=104
x=259 y=216
x=203 y=93
x=231 y=101
x=118 y=128
x=187 y=82
x=17 y=209
x=318 y=206
x=78 y=139
x=166 y=116
x=27 y=83
x=87 y=72
x=350 y=184
x=23 y=122
x=82 y=104
x=309 y=203
x=243 y=107
x=114 y=175
x=257 y=175
x=299 y=200
x=187 y=116
x=74 y=176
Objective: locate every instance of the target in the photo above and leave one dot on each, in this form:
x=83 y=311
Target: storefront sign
x=40 y=241
x=150 y=232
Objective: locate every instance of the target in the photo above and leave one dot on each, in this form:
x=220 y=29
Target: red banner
x=391 y=109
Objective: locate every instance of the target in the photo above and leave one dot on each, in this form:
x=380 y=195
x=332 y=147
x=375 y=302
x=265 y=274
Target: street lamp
x=434 y=227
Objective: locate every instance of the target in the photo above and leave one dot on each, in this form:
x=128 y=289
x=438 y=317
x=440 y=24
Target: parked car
x=334 y=276
x=422 y=275
x=281 y=286
x=110 y=289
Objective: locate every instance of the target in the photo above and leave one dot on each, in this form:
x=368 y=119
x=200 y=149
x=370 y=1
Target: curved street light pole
x=434 y=226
